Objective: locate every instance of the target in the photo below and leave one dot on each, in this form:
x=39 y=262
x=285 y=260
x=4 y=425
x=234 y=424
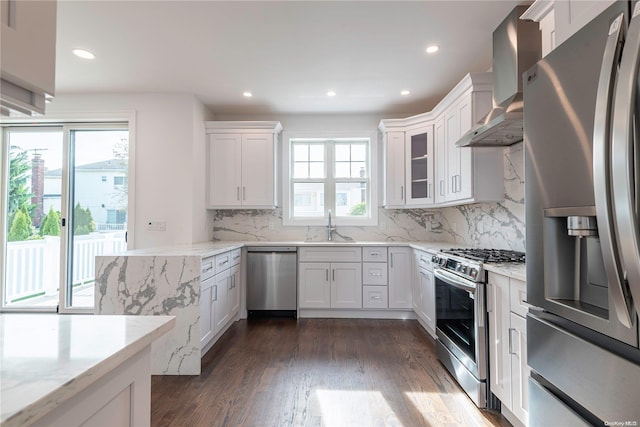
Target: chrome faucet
x=330 y=228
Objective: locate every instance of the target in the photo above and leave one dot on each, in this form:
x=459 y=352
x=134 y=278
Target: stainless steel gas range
x=461 y=317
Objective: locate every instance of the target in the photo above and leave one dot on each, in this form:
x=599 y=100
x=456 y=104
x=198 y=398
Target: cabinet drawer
x=374 y=254
x=330 y=254
x=235 y=256
x=223 y=262
x=423 y=260
x=517 y=296
x=374 y=273
x=208 y=268
x=374 y=297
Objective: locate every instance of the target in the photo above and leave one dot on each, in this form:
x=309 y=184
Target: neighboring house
x=100 y=186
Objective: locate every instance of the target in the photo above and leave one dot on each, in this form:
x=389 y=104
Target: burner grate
x=488 y=255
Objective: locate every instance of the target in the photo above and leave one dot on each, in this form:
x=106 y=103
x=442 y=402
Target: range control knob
x=464 y=269
x=473 y=272
x=434 y=259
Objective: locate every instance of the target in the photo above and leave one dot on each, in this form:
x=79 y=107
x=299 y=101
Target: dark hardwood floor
x=318 y=372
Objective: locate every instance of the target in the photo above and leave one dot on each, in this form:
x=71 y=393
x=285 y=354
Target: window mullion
x=330 y=187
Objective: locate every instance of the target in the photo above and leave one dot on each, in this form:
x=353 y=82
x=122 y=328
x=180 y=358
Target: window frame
x=330 y=180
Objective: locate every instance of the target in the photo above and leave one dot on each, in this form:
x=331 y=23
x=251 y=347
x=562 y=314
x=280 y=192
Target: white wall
x=168 y=162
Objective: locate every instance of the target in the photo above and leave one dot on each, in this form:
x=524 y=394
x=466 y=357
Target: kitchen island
x=70 y=370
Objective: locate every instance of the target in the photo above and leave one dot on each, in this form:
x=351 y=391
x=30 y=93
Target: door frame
x=66 y=121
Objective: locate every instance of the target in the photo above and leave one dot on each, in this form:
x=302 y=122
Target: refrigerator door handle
x=602 y=170
x=622 y=160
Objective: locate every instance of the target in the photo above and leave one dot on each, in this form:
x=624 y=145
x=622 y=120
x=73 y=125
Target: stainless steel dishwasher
x=272 y=281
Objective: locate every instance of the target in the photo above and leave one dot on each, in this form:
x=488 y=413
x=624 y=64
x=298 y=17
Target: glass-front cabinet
x=420 y=161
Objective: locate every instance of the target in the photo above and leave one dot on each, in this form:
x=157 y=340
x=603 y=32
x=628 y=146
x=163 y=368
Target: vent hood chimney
x=517 y=45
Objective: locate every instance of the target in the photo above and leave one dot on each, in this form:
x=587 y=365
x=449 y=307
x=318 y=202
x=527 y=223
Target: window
x=119 y=180
x=329 y=175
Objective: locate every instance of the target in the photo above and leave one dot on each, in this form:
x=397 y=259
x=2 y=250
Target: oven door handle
x=455 y=281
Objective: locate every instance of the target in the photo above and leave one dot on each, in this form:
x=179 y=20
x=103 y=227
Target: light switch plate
x=157 y=225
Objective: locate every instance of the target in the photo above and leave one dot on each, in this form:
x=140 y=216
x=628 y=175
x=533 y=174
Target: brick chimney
x=37 y=188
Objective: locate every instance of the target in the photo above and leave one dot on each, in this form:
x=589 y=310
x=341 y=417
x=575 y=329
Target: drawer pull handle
x=375 y=296
x=374 y=253
x=375 y=274
x=204 y=270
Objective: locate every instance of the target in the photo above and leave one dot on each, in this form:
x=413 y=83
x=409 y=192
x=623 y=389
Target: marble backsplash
x=494 y=225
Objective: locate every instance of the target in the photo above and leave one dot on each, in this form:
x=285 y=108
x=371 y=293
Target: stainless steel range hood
x=517 y=45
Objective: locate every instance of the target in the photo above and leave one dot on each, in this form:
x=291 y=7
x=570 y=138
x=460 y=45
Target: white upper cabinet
x=27 y=55
x=571 y=15
x=241 y=164
x=440 y=163
x=394 y=159
x=437 y=172
x=561 y=19
x=419 y=170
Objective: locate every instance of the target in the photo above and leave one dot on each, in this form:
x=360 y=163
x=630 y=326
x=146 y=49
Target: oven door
x=460 y=320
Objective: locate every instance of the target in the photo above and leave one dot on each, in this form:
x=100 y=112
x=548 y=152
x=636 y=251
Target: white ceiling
x=289 y=53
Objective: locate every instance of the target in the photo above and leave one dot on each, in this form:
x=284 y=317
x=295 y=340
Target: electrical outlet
x=427 y=225
x=157 y=225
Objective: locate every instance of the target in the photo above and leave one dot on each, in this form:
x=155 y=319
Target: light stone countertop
x=207 y=249
x=46 y=359
x=515 y=271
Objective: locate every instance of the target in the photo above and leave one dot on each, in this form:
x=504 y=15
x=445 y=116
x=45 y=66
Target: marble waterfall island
x=148 y=284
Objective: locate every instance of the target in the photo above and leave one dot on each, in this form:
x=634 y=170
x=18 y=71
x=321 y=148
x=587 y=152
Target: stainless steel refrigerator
x=582 y=181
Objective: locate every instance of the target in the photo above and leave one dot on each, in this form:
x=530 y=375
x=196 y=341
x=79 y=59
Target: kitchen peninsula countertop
x=48 y=359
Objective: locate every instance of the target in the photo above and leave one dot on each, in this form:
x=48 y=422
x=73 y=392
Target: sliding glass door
x=65 y=201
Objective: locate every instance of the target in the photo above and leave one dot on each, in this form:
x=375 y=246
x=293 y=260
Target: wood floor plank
x=318 y=373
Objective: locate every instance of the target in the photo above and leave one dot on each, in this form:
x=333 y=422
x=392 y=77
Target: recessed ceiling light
x=247 y=94
x=404 y=92
x=84 y=54
x=331 y=93
x=433 y=49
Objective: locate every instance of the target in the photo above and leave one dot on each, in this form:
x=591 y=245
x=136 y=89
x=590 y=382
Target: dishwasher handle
x=272 y=249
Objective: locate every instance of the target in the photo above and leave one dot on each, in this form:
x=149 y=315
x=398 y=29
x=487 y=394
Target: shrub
x=21 y=227
x=358 y=210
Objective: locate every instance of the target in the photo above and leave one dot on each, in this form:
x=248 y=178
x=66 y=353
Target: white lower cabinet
x=222 y=309
x=423 y=289
x=330 y=285
x=400 y=278
x=508 y=345
x=374 y=297
x=346 y=285
x=219 y=295
x=234 y=292
x=206 y=311
x=314 y=284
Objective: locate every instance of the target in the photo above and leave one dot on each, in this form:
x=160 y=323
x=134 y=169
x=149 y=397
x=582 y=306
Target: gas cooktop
x=488 y=255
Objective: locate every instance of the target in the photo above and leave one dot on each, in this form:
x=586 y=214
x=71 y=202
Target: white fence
x=33 y=266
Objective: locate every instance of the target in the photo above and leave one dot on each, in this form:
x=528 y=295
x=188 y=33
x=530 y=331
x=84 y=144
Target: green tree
x=50 y=225
x=82 y=221
x=359 y=209
x=19 y=195
x=21 y=228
